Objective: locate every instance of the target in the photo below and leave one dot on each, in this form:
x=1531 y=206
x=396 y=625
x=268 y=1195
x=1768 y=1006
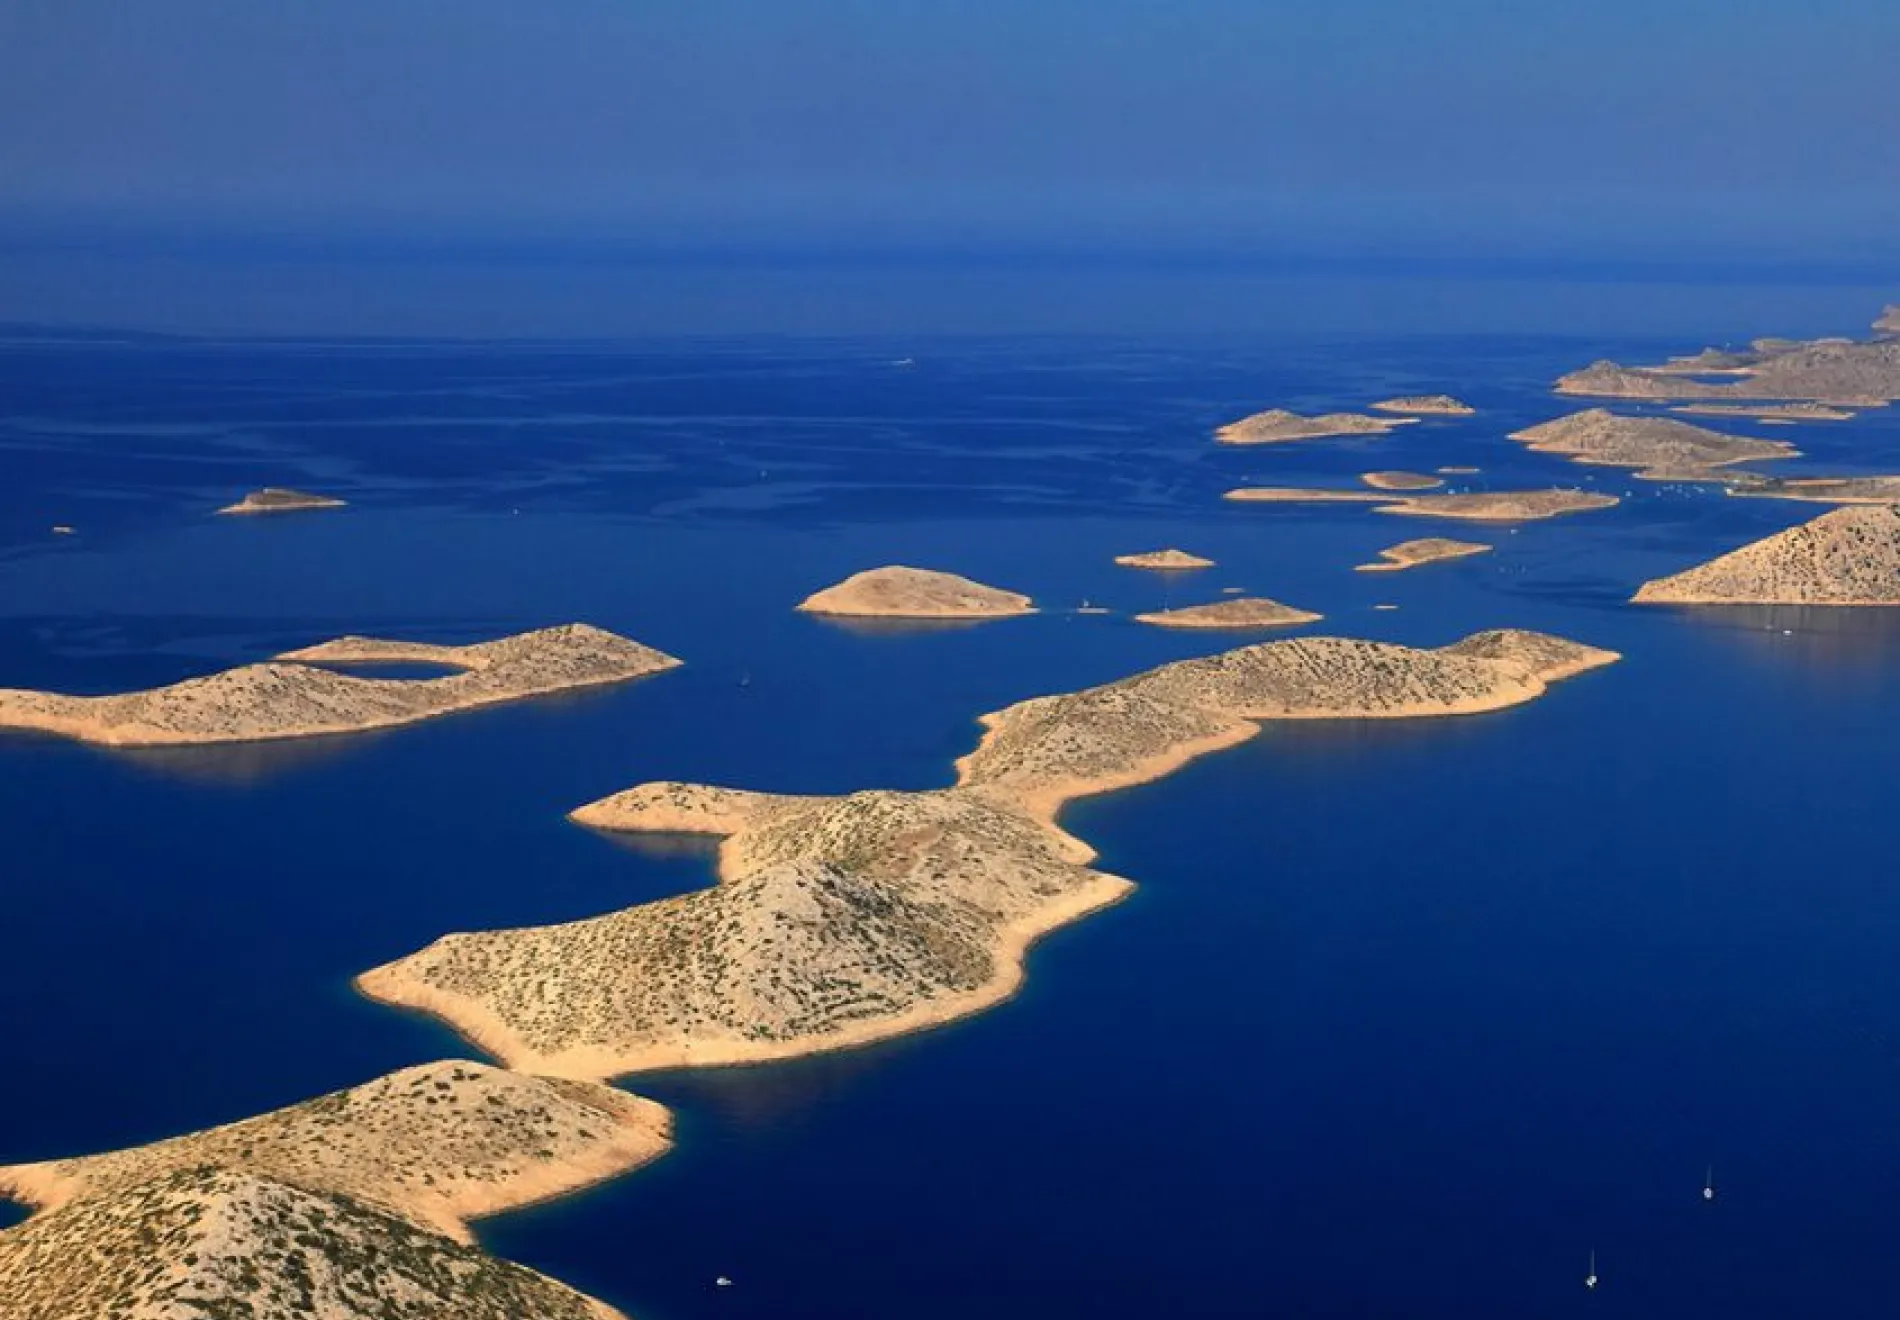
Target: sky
x=1757 y=129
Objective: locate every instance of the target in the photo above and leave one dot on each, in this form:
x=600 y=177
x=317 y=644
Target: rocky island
x=1426 y=405
x=1854 y=373
x=1883 y=489
x=1277 y=425
x=276 y=499
x=1888 y=322
x=837 y=921
x=1653 y=444
x=1500 y=506
x=1303 y=495
x=350 y=1207
x=1768 y=412
x=294 y=696
x=1236 y=612
x=1848 y=556
x=1401 y=481
x=1166 y=560
x=896 y=592
x=1427 y=550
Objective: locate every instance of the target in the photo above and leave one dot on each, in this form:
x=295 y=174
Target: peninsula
x=896 y=592
x=294 y=696
x=1427 y=550
x=1235 y=612
x=276 y=499
x=350 y=1207
x=838 y=921
x=1277 y=425
x=1848 y=556
x=1426 y=405
x=1501 y=506
x=1167 y=560
x=1401 y=480
x=1655 y=444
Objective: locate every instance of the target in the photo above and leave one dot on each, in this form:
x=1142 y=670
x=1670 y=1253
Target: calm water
x=1404 y=1019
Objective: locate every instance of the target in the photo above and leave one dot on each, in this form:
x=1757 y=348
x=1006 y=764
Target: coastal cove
x=1371 y=973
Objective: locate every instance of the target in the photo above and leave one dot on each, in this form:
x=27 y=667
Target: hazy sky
x=1379 y=122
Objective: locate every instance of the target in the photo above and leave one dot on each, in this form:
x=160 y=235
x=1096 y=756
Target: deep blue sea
x=1404 y=1019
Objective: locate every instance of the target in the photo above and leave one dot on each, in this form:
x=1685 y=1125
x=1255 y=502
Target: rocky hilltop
x=1848 y=556
x=276 y=499
x=896 y=592
x=295 y=697
x=842 y=920
x=1172 y=560
x=1427 y=550
x=1277 y=425
x=1237 y=612
x=1602 y=437
x=1426 y=405
x=350 y=1207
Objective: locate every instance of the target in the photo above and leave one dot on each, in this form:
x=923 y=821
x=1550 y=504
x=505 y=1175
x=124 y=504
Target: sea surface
x=1403 y=1019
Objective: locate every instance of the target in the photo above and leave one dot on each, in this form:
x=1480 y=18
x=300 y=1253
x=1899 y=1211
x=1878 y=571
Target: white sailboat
x=1708 y=1185
x=1590 y=1279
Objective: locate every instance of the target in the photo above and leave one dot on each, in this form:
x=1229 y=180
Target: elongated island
x=843 y=920
x=296 y=696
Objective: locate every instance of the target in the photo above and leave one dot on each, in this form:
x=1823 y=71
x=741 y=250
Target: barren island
x=294 y=696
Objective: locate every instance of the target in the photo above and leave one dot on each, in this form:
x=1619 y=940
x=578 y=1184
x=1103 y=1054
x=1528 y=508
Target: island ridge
x=837 y=921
